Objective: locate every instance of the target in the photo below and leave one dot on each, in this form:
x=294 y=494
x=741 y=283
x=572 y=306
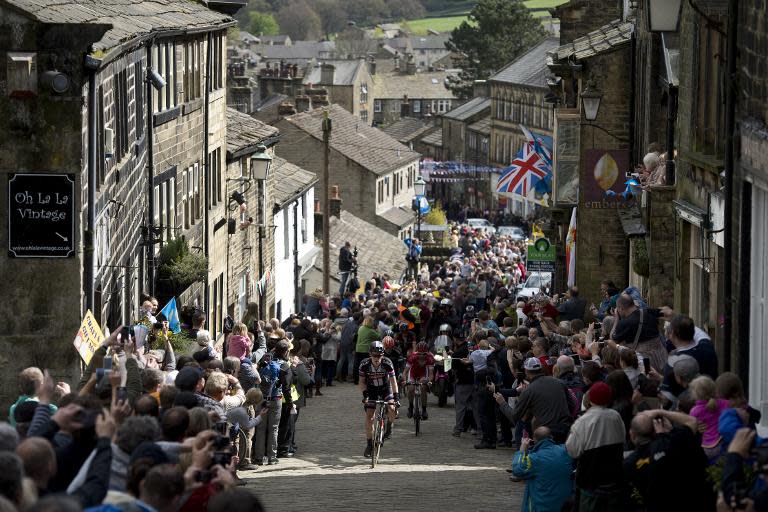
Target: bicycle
x=416 y=406
x=380 y=420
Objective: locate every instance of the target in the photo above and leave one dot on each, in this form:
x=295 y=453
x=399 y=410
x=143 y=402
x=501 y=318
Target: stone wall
x=601 y=243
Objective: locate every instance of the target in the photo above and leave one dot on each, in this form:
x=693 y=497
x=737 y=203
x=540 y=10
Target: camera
x=204 y=476
x=126 y=332
x=224 y=458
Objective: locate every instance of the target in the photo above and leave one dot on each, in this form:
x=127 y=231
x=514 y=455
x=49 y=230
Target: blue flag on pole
x=172 y=315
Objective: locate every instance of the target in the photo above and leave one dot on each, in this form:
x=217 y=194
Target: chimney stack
x=327 y=71
x=303 y=103
x=372 y=66
x=335 y=206
x=397 y=62
x=410 y=67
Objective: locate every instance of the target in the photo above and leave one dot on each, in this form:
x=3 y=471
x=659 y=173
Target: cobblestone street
x=434 y=471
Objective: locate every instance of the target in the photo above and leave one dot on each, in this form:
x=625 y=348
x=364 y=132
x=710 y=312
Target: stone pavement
x=434 y=471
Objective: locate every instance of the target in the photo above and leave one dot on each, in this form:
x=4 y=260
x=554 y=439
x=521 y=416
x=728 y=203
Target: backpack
x=270 y=380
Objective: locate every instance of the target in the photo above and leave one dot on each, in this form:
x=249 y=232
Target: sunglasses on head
x=377 y=355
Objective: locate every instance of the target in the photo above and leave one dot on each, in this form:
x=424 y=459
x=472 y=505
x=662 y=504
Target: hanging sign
x=41 y=215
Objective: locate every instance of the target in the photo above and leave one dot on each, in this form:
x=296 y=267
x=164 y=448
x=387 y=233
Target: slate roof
x=407 y=129
x=369 y=240
x=427 y=86
x=344 y=74
x=129 y=19
x=531 y=68
x=434 y=139
x=280 y=39
x=430 y=42
x=469 y=109
x=398 y=216
x=299 y=50
x=605 y=39
x=482 y=126
x=247 y=37
x=290 y=181
x=245 y=132
x=369 y=147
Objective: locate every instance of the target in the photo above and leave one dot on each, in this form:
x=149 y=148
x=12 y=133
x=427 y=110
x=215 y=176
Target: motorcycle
x=443 y=387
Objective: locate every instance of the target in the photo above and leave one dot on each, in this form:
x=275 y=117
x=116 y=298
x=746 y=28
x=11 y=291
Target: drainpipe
x=206 y=221
x=88 y=234
x=296 y=266
x=150 y=221
x=671 y=115
x=730 y=160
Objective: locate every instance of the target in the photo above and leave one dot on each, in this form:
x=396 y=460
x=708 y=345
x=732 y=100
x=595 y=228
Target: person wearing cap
x=544 y=401
x=191 y=379
x=377 y=381
x=596 y=441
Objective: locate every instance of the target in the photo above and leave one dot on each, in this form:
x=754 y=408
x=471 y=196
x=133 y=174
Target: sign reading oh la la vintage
x=41 y=215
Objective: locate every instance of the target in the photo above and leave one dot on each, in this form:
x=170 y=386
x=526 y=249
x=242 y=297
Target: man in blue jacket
x=547 y=469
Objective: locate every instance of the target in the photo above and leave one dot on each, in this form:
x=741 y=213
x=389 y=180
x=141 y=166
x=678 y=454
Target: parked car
x=483 y=224
x=516 y=233
x=535 y=282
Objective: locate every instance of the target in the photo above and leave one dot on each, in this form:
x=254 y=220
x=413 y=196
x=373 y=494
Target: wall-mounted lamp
x=590 y=101
x=261 y=161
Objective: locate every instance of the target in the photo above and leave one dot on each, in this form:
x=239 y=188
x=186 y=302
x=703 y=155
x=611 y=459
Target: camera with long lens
x=222 y=443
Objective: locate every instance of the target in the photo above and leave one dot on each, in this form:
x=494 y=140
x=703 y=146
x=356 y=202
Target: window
x=377 y=105
x=192 y=70
x=21 y=69
x=217 y=62
x=396 y=184
x=416 y=106
x=138 y=84
x=286 y=233
x=171 y=201
x=364 y=115
x=304 y=234
x=242 y=296
x=363 y=93
x=213 y=177
x=100 y=139
x=164 y=61
x=120 y=90
x=394 y=106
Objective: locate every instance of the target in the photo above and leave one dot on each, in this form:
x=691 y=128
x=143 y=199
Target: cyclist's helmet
x=376 y=348
x=445 y=328
x=422 y=347
x=390 y=333
x=402 y=327
x=470 y=309
x=388 y=342
x=446 y=302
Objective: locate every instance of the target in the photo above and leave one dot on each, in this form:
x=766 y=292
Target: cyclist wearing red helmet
x=419 y=368
x=393 y=351
x=377 y=382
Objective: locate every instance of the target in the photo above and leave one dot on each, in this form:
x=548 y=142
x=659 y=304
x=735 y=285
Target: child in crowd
x=707 y=411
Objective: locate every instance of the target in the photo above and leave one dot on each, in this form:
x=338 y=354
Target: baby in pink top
x=707 y=411
x=239 y=343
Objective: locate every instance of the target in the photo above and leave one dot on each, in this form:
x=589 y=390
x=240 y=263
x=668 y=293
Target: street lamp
x=590 y=101
x=664 y=15
x=420 y=187
x=261 y=161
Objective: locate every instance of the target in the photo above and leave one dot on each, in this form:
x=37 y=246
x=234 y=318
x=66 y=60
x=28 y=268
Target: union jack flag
x=527 y=169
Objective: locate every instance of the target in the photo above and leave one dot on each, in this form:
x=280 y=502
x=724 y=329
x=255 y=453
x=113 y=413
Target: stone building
x=128 y=153
x=243 y=237
x=517 y=97
x=348 y=82
x=408 y=93
x=601 y=59
x=429 y=49
x=295 y=252
x=750 y=210
x=374 y=172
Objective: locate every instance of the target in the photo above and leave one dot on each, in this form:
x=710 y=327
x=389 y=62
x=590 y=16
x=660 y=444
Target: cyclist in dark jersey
x=377 y=382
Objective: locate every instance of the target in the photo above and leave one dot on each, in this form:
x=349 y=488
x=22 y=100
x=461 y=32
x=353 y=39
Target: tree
x=498 y=31
x=332 y=17
x=365 y=12
x=243 y=15
x=353 y=43
x=299 y=20
x=406 y=9
x=263 y=24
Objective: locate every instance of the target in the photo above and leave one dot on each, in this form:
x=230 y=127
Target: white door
x=758 y=315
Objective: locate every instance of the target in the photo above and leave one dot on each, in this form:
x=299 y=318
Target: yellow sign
x=89 y=337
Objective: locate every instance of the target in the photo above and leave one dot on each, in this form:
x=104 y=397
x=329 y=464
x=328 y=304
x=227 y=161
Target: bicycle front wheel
x=417 y=413
x=378 y=439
